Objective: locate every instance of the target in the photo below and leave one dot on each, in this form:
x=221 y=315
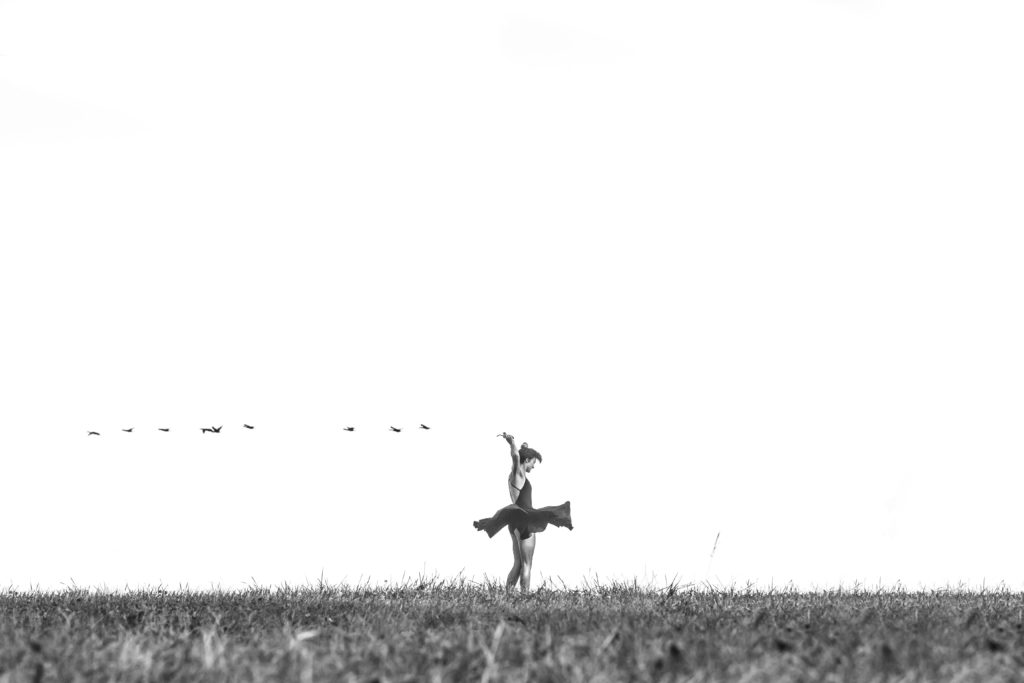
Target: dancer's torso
x=521 y=495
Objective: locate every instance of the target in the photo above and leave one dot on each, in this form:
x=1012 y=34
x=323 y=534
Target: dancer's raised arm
x=516 y=465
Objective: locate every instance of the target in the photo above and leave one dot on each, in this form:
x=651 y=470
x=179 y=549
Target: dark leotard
x=525 y=518
x=525 y=497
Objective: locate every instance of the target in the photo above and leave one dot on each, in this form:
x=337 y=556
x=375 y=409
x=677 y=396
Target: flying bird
x=248 y=426
x=129 y=430
x=216 y=430
x=163 y=429
x=93 y=434
x=395 y=429
x=350 y=429
x=423 y=426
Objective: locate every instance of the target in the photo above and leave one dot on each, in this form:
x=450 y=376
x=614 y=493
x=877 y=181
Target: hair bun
x=525 y=453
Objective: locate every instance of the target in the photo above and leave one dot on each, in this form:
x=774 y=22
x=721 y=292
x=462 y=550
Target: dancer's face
x=529 y=463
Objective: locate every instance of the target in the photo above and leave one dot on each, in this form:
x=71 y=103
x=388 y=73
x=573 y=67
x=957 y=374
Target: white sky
x=735 y=266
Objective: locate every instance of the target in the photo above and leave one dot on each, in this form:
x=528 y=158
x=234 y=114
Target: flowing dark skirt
x=526 y=521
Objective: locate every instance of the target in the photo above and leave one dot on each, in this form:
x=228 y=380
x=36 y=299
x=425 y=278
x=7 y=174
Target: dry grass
x=437 y=630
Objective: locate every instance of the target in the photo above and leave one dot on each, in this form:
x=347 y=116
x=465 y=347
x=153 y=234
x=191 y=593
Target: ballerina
x=523 y=520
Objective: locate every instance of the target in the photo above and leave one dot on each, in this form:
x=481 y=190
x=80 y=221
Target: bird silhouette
x=423 y=426
x=93 y=434
x=350 y=429
x=129 y=430
x=216 y=430
x=395 y=429
x=163 y=429
x=248 y=426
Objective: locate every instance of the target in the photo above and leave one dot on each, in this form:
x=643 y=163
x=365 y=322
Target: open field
x=455 y=631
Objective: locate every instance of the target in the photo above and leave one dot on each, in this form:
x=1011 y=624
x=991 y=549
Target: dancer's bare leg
x=526 y=560
x=517 y=561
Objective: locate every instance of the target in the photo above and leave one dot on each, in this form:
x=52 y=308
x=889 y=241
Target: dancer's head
x=529 y=457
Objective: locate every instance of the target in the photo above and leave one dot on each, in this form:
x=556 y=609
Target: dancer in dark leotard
x=522 y=519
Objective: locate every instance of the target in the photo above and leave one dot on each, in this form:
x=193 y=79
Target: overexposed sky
x=740 y=267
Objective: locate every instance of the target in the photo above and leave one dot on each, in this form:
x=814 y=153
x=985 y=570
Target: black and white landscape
x=746 y=273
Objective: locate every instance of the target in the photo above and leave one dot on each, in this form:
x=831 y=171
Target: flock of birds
x=216 y=430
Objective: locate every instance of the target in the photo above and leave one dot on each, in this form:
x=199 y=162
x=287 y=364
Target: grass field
x=435 y=630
